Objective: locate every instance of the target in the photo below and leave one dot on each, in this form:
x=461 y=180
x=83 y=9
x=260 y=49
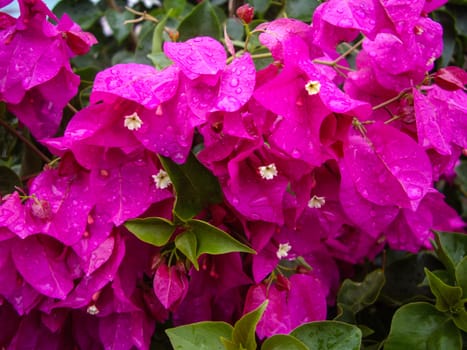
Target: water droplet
x=346 y=23
x=234 y=82
x=235 y=201
x=296 y=153
x=414 y=192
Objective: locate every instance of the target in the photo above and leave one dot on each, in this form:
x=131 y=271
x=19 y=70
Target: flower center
x=162 y=180
x=316 y=202
x=283 y=250
x=268 y=172
x=313 y=87
x=133 y=122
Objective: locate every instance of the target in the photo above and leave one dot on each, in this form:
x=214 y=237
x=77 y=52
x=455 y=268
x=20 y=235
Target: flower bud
x=246 y=13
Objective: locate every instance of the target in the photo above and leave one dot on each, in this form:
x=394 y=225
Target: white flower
x=162 y=180
x=92 y=310
x=283 y=250
x=316 y=202
x=147 y=3
x=133 y=122
x=268 y=172
x=313 y=87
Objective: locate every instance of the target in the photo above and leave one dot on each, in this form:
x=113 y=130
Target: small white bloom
x=316 y=202
x=133 y=122
x=268 y=172
x=162 y=180
x=106 y=28
x=283 y=250
x=92 y=310
x=313 y=87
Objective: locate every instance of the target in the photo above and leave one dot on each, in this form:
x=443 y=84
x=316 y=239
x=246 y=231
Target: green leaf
x=461 y=276
x=212 y=240
x=116 y=21
x=261 y=6
x=447 y=297
x=196 y=186
x=405 y=275
x=451 y=248
x=355 y=296
x=329 y=335
x=281 y=342
x=84 y=13
x=157 y=55
x=245 y=328
x=8 y=180
x=420 y=326
x=174 y=7
x=156 y=231
x=301 y=9
x=199 y=336
x=460 y=318
x=186 y=242
x=201 y=21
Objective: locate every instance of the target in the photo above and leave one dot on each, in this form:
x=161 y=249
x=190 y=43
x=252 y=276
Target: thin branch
x=27 y=142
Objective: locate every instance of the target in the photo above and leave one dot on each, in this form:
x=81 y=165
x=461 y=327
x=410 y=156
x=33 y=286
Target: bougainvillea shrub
x=198 y=191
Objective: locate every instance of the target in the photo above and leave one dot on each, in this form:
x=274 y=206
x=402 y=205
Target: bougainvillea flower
x=401 y=171
x=219 y=278
x=170 y=285
x=412 y=230
x=274 y=34
x=304 y=302
x=38 y=55
x=440 y=118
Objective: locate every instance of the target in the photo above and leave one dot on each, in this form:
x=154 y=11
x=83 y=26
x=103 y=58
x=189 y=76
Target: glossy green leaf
x=196 y=186
x=157 y=55
x=355 y=296
x=186 y=242
x=420 y=326
x=116 y=21
x=281 y=342
x=451 y=248
x=261 y=6
x=329 y=335
x=460 y=317
x=201 y=21
x=461 y=276
x=229 y=344
x=156 y=231
x=174 y=7
x=301 y=9
x=214 y=241
x=85 y=13
x=447 y=296
x=199 y=336
x=405 y=276
x=245 y=328
x=8 y=180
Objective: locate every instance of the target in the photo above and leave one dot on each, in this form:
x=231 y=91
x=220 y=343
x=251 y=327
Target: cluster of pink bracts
x=317 y=162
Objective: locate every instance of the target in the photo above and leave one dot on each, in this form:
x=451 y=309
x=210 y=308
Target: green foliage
x=282 y=341
x=196 y=186
x=200 y=336
x=202 y=21
x=154 y=230
x=418 y=326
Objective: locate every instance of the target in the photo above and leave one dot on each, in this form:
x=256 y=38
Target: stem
x=349 y=51
x=72 y=108
x=143 y=16
x=27 y=142
x=391 y=100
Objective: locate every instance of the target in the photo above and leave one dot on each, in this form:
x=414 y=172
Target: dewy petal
x=140 y=83
x=401 y=171
x=197 y=56
x=39 y=262
x=237 y=84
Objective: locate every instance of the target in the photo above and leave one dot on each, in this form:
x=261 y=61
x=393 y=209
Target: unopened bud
x=246 y=13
